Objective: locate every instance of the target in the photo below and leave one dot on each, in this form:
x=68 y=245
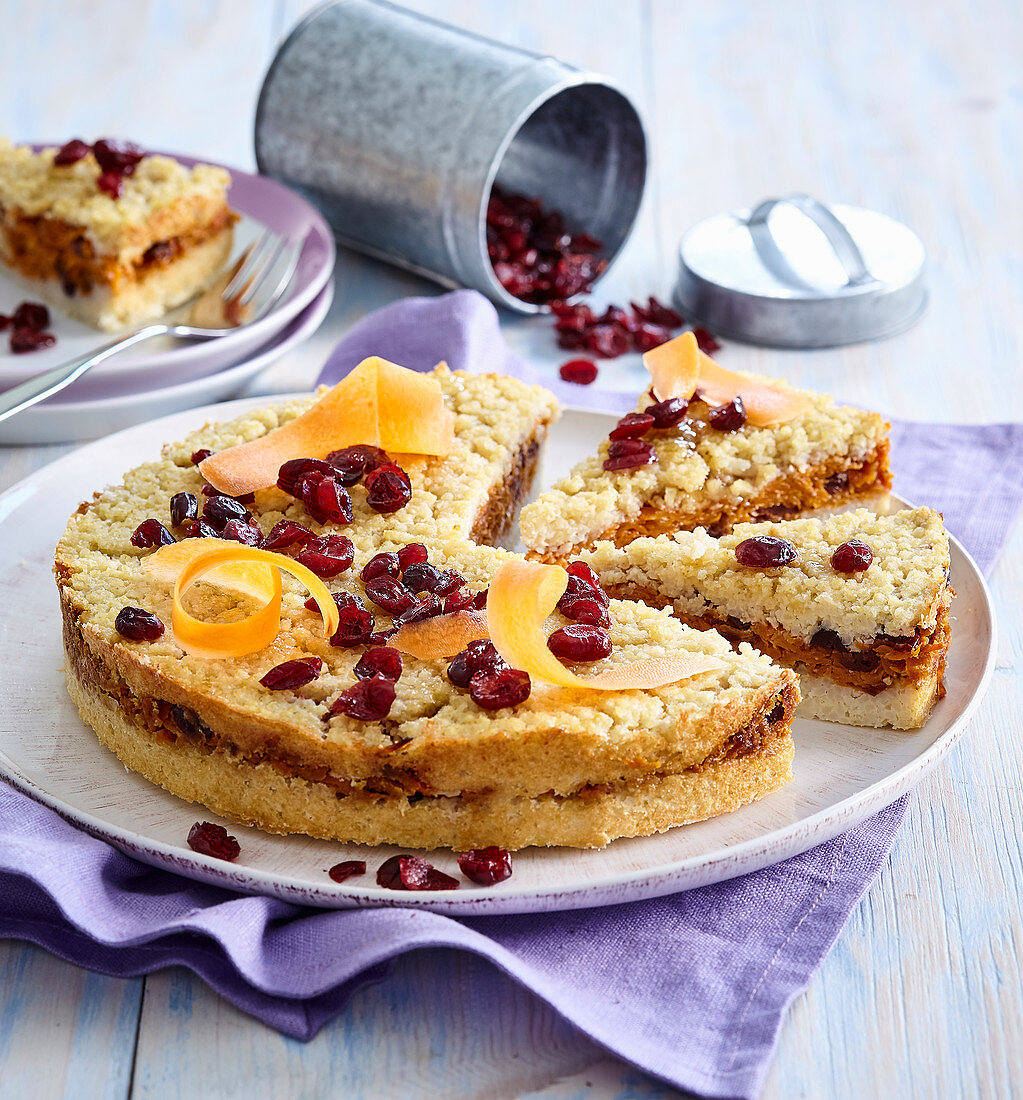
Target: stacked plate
x=167 y=375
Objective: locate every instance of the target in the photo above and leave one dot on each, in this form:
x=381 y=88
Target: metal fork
x=248 y=295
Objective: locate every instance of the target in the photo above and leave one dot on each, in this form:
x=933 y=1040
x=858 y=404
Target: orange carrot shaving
x=242 y=569
x=379 y=403
x=523 y=593
x=443 y=636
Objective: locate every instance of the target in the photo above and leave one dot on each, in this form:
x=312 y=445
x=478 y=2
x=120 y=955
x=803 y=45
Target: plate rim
x=743 y=857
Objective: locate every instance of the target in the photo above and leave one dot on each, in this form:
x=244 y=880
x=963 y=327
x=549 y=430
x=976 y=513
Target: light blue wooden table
x=906 y=106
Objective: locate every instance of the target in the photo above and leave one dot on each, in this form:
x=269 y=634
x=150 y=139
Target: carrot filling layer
x=887 y=662
x=45 y=248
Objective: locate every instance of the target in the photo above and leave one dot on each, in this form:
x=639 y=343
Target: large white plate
x=842 y=774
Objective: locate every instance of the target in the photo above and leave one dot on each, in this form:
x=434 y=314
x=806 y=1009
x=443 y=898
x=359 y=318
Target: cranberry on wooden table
x=292 y=674
x=486 y=866
x=213 y=840
x=765 y=552
x=852 y=557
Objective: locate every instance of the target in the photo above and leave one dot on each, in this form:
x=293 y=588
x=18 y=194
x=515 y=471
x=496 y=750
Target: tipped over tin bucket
x=397 y=127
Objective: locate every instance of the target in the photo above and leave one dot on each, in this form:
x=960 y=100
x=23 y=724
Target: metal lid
x=794 y=273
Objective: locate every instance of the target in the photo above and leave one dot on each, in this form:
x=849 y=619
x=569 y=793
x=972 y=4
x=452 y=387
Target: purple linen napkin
x=691 y=988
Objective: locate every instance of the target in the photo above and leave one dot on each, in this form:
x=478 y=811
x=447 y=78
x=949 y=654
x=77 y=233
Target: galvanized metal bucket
x=397 y=127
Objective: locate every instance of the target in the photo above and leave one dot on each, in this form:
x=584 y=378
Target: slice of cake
x=110 y=235
x=856 y=603
x=710 y=448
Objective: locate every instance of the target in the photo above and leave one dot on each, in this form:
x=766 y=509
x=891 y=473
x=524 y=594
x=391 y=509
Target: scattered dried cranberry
x=350 y=868
x=328 y=501
x=632 y=426
x=183 y=506
x=381 y=565
x=292 y=674
x=852 y=557
x=32 y=316
x=111 y=183
x=486 y=866
x=291 y=474
x=382 y=661
x=481 y=656
x=647 y=336
x=580 y=371
x=504 y=687
x=355 y=622
x=730 y=417
x=389 y=874
x=197 y=529
x=707 y=343
x=388 y=488
x=390 y=594
x=624 y=454
x=366 y=701
x=327 y=555
x=151 y=532
x=244 y=531
x=70 y=152
x=837 y=483
x=200 y=455
x=580 y=643
x=607 y=341
x=138 y=625
x=765 y=552
x=213 y=840
x=219 y=508
x=412 y=554
x=352 y=463
x=417 y=874
x=285 y=534
x=23 y=340
x=425 y=607
x=657 y=314
x=668 y=414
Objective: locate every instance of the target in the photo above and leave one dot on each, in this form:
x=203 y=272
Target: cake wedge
x=858 y=604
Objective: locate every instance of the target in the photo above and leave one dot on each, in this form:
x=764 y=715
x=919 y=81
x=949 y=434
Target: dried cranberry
x=327 y=555
x=197 y=529
x=285 y=534
x=329 y=502
x=70 y=152
x=244 y=531
x=861 y=661
x=213 y=840
x=366 y=701
x=355 y=622
x=658 y=314
x=504 y=687
x=389 y=874
x=581 y=571
x=350 y=868
x=200 y=455
x=417 y=874
x=828 y=639
x=481 y=656
x=390 y=594
x=486 y=866
x=111 y=183
x=138 y=625
x=23 y=340
x=837 y=483
x=412 y=554
x=381 y=565
x=480 y=602
x=706 y=341
x=5 y=322
x=388 y=488
x=425 y=607
x=647 y=336
x=632 y=426
x=219 y=508
x=573 y=341
x=852 y=557
x=580 y=371
x=730 y=417
x=668 y=414
x=585 y=609
x=607 y=341
x=290 y=475
x=151 y=532
x=183 y=506
x=382 y=661
x=765 y=552
x=117 y=156
x=292 y=674
x=424 y=577
x=461 y=600
x=615 y=315
x=352 y=463
x=624 y=454
x=579 y=643
x=32 y=316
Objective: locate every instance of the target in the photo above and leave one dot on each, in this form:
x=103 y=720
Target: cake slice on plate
x=857 y=603
x=710 y=448
x=110 y=235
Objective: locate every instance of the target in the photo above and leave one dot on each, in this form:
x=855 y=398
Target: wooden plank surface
x=912 y=108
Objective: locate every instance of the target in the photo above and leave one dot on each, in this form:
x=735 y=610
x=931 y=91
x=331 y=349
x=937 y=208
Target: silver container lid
x=794 y=273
